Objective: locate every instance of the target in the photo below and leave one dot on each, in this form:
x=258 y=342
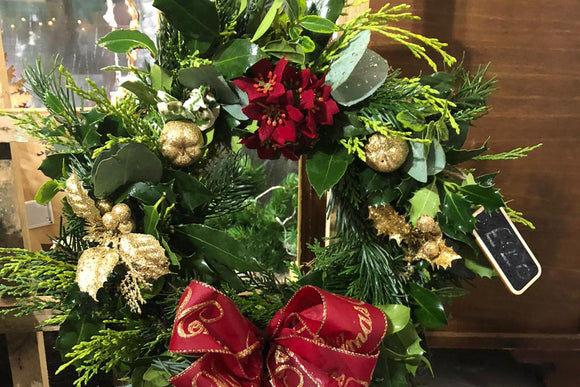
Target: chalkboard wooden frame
x=497 y=266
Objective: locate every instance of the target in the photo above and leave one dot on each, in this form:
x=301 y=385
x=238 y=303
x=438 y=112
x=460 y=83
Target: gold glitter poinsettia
x=423 y=242
x=111 y=229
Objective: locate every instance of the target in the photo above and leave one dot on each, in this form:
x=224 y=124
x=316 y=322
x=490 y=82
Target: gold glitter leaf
x=388 y=222
x=446 y=256
x=93 y=268
x=80 y=201
x=144 y=256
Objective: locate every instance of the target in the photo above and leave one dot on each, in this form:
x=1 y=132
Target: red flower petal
x=295 y=114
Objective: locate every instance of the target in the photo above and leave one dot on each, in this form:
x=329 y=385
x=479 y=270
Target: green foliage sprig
x=381 y=22
x=103 y=352
x=513 y=154
x=37 y=280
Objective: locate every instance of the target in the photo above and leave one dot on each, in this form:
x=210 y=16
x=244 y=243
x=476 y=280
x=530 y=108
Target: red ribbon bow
x=317 y=339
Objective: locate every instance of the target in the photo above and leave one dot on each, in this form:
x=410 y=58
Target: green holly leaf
x=318 y=24
x=488 y=197
x=55 y=165
x=151 y=219
x=47 y=192
x=124 y=41
x=458 y=156
x=79 y=326
x=219 y=246
x=430 y=312
x=458 y=212
x=325 y=168
x=148 y=193
x=424 y=202
x=191 y=193
x=237 y=57
x=198 y=20
x=482 y=269
x=398 y=316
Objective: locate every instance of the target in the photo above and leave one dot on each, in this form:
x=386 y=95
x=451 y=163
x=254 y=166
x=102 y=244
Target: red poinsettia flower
x=265 y=83
x=288 y=105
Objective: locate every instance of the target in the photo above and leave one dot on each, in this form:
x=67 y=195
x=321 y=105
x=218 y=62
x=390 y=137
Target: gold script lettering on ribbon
x=366 y=326
x=197 y=327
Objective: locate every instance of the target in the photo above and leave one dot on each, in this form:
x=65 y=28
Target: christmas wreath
x=170 y=263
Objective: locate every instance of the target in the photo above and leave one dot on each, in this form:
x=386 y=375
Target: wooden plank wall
x=534 y=50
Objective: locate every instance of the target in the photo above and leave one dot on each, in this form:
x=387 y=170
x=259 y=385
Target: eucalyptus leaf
x=430 y=312
x=416 y=164
x=124 y=41
x=47 y=192
x=347 y=60
x=424 y=202
x=436 y=158
x=368 y=75
x=218 y=245
x=237 y=57
x=458 y=212
x=325 y=168
x=131 y=163
x=318 y=24
x=206 y=75
x=198 y=20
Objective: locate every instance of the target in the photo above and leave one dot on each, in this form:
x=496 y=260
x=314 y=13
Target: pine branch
x=513 y=154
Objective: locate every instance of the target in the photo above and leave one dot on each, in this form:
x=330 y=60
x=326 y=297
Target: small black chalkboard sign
x=507 y=251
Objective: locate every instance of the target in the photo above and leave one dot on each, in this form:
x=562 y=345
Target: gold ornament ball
x=122 y=212
x=430 y=249
x=126 y=227
x=426 y=224
x=104 y=206
x=110 y=221
x=385 y=154
x=181 y=142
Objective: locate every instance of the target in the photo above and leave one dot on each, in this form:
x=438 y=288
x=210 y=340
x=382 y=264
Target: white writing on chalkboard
x=505 y=248
x=500 y=237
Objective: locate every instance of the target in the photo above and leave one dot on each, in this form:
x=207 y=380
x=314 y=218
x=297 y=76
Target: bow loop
x=317 y=339
x=207 y=322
